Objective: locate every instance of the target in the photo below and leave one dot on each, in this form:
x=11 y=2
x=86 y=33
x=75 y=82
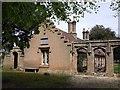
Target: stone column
x=90 y=70
x=21 y=61
x=71 y=62
x=74 y=61
x=109 y=63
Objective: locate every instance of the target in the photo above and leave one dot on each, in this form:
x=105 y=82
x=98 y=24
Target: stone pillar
x=109 y=63
x=90 y=70
x=21 y=61
x=74 y=61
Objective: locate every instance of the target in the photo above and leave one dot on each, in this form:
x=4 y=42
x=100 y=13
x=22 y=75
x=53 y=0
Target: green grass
x=33 y=80
x=117 y=68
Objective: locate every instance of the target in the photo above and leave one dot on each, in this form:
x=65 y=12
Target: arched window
x=99 y=60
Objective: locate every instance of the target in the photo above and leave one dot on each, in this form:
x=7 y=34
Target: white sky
x=103 y=17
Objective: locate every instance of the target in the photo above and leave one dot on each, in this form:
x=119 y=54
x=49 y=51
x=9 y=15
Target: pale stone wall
x=59 y=52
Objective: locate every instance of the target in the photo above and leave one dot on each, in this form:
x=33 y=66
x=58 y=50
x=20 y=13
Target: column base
x=90 y=73
x=109 y=74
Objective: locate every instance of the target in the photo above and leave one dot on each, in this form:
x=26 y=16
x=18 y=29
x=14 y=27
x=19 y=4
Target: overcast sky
x=104 y=17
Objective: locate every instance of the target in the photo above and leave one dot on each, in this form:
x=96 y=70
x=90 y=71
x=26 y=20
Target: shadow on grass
x=33 y=80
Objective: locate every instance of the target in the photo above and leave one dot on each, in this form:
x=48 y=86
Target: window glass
x=44 y=41
x=45 y=57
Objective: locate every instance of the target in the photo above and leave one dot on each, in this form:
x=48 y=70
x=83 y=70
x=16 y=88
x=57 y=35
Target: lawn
x=33 y=80
x=117 y=68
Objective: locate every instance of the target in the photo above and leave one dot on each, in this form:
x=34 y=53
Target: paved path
x=82 y=81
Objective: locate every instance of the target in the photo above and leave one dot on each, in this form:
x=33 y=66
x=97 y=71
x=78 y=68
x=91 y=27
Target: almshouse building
x=56 y=51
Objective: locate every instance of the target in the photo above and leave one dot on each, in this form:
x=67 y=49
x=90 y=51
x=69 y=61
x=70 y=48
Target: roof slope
x=69 y=36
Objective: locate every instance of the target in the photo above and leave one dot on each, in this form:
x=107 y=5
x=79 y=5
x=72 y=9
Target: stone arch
x=15 y=54
x=116 y=50
x=82 y=59
x=99 y=59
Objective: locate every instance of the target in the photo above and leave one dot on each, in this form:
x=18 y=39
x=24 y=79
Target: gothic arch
x=99 y=59
x=103 y=48
x=82 y=59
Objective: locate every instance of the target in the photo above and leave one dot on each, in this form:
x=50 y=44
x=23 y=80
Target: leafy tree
x=21 y=19
x=115 y=5
x=99 y=32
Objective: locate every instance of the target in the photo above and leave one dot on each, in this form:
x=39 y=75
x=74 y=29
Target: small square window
x=44 y=41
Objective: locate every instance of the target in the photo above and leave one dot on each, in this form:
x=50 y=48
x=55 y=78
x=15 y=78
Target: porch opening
x=82 y=60
x=99 y=60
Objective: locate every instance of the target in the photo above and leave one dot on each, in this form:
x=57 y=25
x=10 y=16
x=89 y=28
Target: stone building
x=56 y=51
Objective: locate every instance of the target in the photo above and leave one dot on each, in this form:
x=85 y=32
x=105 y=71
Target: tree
x=21 y=20
x=115 y=5
x=99 y=32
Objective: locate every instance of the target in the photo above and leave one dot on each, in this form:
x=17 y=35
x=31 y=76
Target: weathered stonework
x=55 y=51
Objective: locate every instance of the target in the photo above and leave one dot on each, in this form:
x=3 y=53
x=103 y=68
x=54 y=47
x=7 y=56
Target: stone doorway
x=81 y=61
x=15 y=54
x=99 y=60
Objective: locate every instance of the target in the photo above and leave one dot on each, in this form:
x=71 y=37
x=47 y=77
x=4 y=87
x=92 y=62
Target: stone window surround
x=45 y=57
x=44 y=48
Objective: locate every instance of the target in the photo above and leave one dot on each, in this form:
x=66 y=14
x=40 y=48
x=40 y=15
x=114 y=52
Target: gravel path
x=82 y=81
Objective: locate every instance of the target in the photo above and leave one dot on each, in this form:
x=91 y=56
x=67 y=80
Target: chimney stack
x=72 y=28
x=69 y=27
x=85 y=34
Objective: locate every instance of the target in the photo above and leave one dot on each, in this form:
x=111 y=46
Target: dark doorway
x=15 y=59
x=82 y=60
